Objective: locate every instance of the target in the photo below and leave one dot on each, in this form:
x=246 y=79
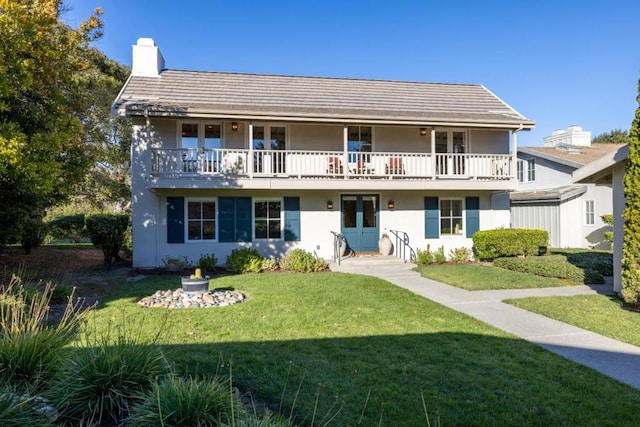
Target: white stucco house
x=227 y=160
x=611 y=167
x=549 y=198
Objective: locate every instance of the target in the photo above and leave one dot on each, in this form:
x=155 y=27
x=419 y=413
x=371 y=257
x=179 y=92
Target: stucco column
x=250 y=162
x=514 y=154
x=345 y=150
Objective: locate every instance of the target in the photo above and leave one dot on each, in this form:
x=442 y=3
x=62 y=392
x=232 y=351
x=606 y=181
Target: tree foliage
x=631 y=216
x=616 y=136
x=48 y=75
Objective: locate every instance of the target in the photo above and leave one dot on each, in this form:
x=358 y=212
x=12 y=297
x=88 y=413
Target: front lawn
x=476 y=277
x=360 y=351
x=597 y=313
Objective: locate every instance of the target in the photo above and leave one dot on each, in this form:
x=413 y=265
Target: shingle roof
x=575 y=156
x=315 y=98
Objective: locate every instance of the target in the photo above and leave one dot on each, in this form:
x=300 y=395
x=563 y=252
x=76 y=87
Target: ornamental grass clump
x=31 y=347
x=177 y=401
x=104 y=377
x=18 y=409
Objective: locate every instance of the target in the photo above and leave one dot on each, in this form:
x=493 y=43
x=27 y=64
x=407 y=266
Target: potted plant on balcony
x=385 y=245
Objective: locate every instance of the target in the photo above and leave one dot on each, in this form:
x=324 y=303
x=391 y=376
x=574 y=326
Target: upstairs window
x=531 y=170
x=526 y=170
x=199 y=134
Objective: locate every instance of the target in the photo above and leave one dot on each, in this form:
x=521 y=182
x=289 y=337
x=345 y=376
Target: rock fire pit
x=180 y=299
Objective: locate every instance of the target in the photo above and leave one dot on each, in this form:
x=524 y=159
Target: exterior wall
x=316 y=223
x=548 y=174
x=489 y=141
x=570 y=225
x=394 y=138
x=619 y=202
x=545 y=216
x=316 y=137
x=602 y=195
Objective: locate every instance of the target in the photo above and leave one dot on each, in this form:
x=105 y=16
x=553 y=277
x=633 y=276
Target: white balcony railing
x=176 y=162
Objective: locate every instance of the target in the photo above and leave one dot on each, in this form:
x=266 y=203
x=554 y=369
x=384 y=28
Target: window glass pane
x=261 y=228
x=369 y=211
x=212 y=136
x=189 y=135
x=208 y=210
x=458 y=142
x=274 y=209
x=274 y=229
x=349 y=212
x=260 y=210
x=531 y=169
x=278 y=137
x=457 y=225
x=441 y=142
x=194 y=210
x=445 y=207
x=208 y=230
x=194 y=230
x=456 y=208
x=445 y=226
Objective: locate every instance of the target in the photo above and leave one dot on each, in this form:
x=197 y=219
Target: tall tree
x=616 y=136
x=43 y=106
x=631 y=216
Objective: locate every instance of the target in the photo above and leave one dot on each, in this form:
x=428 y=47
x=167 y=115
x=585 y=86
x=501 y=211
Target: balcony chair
x=334 y=166
x=394 y=166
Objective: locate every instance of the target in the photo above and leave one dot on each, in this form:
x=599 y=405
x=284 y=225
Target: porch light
x=391 y=205
x=234 y=126
x=423 y=131
x=329 y=205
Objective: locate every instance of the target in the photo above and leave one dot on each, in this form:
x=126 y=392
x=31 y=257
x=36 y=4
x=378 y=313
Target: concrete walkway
x=608 y=356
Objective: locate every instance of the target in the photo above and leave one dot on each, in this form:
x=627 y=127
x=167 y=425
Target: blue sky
x=560 y=63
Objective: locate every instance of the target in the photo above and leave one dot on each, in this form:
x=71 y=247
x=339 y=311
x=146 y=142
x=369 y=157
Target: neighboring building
x=611 y=168
x=228 y=160
x=548 y=198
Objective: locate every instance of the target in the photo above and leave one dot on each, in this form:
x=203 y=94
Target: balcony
x=291 y=164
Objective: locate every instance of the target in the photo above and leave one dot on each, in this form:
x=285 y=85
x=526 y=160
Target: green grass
x=483 y=277
x=363 y=351
x=597 y=313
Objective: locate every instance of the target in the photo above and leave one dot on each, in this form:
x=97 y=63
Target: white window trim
x=463 y=214
x=186 y=219
x=529 y=169
x=201 y=124
x=253 y=218
x=521 y=170
x=586 y=212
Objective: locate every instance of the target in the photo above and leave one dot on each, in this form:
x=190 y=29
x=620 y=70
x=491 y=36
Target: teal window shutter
x=431 y=218
x=292 y=219
x=472 y=206
x=226 y=219
x=175 y=219
x=234 y=219
x=244 y=215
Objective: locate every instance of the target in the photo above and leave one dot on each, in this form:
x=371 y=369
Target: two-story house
x=549 y=198
x=228 y=160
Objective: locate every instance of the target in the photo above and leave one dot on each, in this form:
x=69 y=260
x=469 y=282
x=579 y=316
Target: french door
x=269 y=145
x=450 y=148
x=360 y=221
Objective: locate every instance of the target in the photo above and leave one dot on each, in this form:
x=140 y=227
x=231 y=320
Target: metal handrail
x=402 y=246
x=338 y=241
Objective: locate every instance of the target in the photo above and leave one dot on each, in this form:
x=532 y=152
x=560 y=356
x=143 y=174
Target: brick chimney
x=147 y=59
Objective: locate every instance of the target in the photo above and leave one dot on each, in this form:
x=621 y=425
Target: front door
x=360 y=221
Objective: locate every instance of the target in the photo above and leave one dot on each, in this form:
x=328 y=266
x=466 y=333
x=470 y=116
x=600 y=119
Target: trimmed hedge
x=551 y=266
x=509 y=242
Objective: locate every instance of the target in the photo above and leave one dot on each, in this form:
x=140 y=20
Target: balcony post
x=433 y=153
x=514 y=152
x=250 y=159
x=345 y=149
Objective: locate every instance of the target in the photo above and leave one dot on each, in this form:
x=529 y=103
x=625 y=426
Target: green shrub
x=185 y=402
x=270 y=264
x=104 y=377
x=550 y=266
x=302 y=261
x=460 y=255
x=244 y=260
x=507 y=242
x=208 y=262
x=108 y=232
x=607 y=219
x=61 y=294
x=424 y=257
x=32 y=233
x=31 y=350
x=175 y=263
x=439 y=256
x=70 y=227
